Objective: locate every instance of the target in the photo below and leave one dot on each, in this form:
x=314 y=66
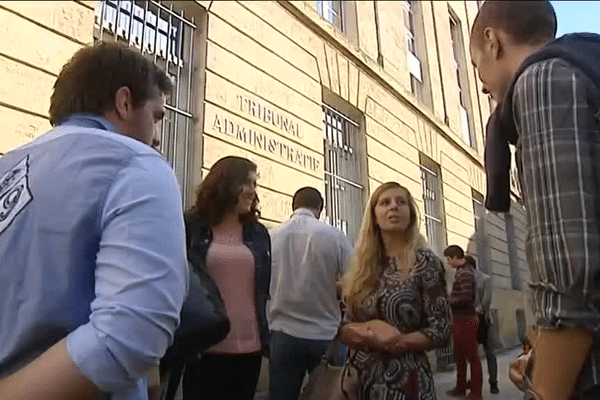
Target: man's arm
x=557 y=155
x=140 y=284
x=51 y=376
x=344 y=261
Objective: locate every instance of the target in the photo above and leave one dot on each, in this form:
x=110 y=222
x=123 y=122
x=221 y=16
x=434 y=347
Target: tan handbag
x=332 y=382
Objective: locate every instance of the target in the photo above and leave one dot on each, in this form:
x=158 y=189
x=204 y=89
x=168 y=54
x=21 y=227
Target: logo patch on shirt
x=14 y=192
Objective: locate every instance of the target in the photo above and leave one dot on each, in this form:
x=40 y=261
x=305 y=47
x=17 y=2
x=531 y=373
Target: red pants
x=465 y=349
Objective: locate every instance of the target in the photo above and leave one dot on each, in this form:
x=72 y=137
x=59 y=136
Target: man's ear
x=492 y=43
x=123 y=103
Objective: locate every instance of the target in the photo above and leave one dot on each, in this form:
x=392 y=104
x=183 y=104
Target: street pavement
x=446 y=380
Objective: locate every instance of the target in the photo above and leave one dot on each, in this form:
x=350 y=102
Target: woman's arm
x=436 y=307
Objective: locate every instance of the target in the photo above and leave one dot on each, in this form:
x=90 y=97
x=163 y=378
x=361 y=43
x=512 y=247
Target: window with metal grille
x=433 y=206
x=166 y=35
x=344 y=189
x=462 y=80
x=332 y=12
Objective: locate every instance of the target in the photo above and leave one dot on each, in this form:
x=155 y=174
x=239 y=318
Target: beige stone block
x=331 y=57
x=392 y=140
x=446 y=57
x=367 y=37
x=383 y=173
x=67 y=17
x=353 y=85
x=235 y=99
x=459 y=226
x=477 y=177
x=456 y=183
x=274 y=206
x=19 y=128
x=343 y=69
x=393 y=43
x=428 y=140
x=25 y=87
x=281 y=20
x=390 y=113
x=432 y=56
x=243 y=74
x=273 y=175
x=458 y=190
x=239 y=132
x=274 y=64
x=458 y=207
x=499 y=256
x=34 y=44
x=406 y=169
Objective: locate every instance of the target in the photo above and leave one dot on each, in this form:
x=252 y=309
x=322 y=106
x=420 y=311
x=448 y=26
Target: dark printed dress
x=417 y=302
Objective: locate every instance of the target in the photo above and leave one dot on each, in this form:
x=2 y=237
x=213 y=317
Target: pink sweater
x=232 y=267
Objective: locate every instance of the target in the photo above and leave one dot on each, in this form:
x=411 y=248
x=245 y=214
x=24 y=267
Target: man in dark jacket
x=549 y=95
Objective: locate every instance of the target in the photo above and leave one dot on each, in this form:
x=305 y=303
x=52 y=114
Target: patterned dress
x=417 y=302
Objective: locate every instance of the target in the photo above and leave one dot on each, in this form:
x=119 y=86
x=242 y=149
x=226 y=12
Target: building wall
x=37 y=38
x=262 y=73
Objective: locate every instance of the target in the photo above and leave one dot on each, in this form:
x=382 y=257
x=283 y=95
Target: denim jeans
x=291 y=358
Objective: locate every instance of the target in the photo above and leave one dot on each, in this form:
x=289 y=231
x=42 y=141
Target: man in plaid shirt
x=549 y=107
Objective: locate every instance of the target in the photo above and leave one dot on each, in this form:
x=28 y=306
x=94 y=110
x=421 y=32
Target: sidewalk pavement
x=447 y=380
x=508 y=391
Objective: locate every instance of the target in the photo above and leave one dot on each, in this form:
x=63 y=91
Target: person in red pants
x=466 y=323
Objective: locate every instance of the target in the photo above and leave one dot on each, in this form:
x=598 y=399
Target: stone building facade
x=340 y=95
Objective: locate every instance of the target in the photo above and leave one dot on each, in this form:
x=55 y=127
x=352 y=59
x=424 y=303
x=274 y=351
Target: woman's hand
x=516 y=371
x=357 y=334
x=385 y=336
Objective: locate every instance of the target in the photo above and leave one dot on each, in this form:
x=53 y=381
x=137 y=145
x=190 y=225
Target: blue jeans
x=291 y=358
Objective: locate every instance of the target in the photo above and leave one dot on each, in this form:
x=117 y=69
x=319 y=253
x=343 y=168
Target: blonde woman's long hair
x=369 y=252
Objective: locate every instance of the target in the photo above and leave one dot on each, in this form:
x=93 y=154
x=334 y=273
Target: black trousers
x=222 y=377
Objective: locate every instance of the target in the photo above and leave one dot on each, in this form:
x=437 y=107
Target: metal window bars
x=343 y=178
x=167 y=36
x=433 y=210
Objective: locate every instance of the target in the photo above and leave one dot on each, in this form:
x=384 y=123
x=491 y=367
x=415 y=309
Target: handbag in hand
x=332 y=382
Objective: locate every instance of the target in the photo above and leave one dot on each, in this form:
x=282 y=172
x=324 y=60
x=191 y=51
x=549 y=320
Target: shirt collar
x=89 y=120
x=304 y=212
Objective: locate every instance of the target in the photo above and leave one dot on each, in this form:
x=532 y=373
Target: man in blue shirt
x=92 y=243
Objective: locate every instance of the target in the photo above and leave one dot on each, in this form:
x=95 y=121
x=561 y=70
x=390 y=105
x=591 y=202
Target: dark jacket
x=257 y=239
x=582 y=51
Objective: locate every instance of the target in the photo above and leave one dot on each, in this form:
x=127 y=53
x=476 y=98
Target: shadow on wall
x=479 y=248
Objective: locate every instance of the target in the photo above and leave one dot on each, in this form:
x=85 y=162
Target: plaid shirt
x=557 y=117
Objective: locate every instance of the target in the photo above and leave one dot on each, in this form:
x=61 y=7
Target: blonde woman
x=396 y=301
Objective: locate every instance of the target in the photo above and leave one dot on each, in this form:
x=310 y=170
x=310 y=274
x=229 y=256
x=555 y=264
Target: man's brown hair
x=526 y=22
x=89 y=81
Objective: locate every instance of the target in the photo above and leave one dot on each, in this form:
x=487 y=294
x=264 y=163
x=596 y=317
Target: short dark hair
x=307 y=197
x=470 y=261
x=454 y=251
x=219 y=191
x=89 y=81
x=526 y=22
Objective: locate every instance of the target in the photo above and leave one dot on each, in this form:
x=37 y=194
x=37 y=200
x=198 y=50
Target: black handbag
x=203 y=323
x=203 y=319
